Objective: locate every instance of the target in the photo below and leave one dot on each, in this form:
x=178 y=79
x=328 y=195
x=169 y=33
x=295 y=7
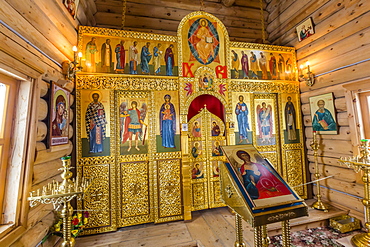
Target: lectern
x=252 y=188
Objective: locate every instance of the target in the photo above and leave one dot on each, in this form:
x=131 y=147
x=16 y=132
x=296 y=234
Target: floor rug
x=315 y=237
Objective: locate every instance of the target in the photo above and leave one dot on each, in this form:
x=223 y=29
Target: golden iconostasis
x=153 y=111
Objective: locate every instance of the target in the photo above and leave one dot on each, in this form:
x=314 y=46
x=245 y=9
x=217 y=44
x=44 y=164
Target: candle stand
x=362 y=163
x=60 y=194
x=318 y=204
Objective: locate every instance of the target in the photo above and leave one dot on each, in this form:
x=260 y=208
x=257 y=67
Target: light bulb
x=74 y=48
x=80 y=54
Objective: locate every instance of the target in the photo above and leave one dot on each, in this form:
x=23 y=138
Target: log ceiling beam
x=242 y=19
x=112 y=19
x=160 y=25
x=185 y=6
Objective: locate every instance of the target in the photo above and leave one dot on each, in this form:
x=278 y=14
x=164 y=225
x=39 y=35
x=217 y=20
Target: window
x=365 y=114
x=18 y=120
x=358 y=108
x=8 y=88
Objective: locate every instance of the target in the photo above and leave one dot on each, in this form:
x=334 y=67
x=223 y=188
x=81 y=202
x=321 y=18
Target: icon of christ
x=203 y=41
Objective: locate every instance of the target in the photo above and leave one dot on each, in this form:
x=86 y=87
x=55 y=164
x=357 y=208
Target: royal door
x=206 y=136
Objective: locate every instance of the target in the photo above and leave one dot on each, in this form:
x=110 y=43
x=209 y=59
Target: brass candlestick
x=61 y=194
x=362 y=163
x=318 y=204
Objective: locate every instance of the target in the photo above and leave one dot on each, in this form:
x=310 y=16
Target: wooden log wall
x=338 y=54
x=51 y=30
x=242 y=19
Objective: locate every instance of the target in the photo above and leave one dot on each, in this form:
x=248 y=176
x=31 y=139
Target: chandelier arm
x=262 y=22
x=124 y=3
x=201 y=5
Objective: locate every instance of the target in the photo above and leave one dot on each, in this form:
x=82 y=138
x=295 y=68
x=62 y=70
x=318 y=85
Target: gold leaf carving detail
x=263 y=86
x=295 y=173
x=272 y=157
x=126 y=82
x=97 y=197
x=135 y=185
x=169 y=188
x=199 y=196
x=88 y=30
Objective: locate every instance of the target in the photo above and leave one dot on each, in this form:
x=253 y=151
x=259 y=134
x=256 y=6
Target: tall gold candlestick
x=61 y=194
x=362 y=163
x=318 y=204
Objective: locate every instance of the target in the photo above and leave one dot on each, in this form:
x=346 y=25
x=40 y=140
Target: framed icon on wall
x=323 y=114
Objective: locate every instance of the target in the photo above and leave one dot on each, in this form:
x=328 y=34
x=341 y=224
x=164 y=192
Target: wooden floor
x=208 y=228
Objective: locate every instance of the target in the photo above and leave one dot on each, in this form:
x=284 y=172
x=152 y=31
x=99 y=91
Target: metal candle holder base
x=320 y=206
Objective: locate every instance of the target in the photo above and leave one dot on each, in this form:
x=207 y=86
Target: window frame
x=5 y=140
x=365 y=116
x=21 y=157
x=353 y=97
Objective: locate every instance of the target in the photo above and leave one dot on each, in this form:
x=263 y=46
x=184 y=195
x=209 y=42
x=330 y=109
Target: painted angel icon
x=133 y=127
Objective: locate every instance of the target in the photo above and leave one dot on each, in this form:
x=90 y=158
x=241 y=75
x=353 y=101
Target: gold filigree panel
x=126 y=82
x=97 y=198
x=168 y=155
x=199 y=196
x=263 y=86
x=216 y=197
x=169 y=188
x=134 y=193
x=295 y=171
x=89 y=161
x=273 y=158
x=255 y=46
x=132 y=158
x=293 y=146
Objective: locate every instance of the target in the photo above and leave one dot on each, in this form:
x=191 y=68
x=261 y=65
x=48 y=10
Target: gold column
x=239 y=231
x=265 y=238
x=318 y=204
x=186 y=179
x=286 y=233
x=258 y=236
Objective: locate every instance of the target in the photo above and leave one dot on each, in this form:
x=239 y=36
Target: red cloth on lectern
x=269 y=185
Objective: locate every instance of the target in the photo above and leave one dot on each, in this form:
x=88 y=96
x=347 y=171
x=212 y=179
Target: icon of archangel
x=132 y=124
x=204 y=41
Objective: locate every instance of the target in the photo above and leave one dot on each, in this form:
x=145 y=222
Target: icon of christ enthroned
x=203 y=41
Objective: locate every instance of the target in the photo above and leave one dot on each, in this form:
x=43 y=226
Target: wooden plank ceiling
x=242 y=19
